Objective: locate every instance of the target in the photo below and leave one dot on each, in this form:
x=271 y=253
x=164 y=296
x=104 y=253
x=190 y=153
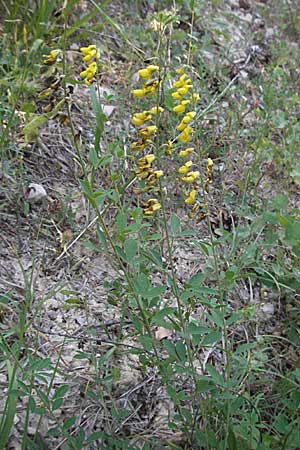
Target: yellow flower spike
x=155 y=110
x=51 y=58
x=140 y=93
x=147 y=131
x=184 y=169
x=190 y=177
x=191 y=198
x=186 y=152
x=147 y=72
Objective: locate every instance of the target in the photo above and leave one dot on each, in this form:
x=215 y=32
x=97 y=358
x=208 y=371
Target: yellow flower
x=147 y=131
x=181 y=107
x=185 y=136
x=146 y=161
x=210 y=162
x=155 y=110
x=169 y=148
x=189 y=116
x=51 y=58
x=184 y=90
x=153 y=176
x=142 y=173
x=140 y=118
x=138 y=145
x=181 y=82
x=139 y=93
x=191 y=198
x=89 y=73
x=186 y=119
x=181 y=126
x=176 y=95
x=151 y=206
x=158 y=173
x=184 y=169
x=190 y=177
x=195 y=97
x=186 y=152
x=87 y=50
x=90 y=52
x=180 y=70
x=45 y=93
x=151 y=86
x=147 y=72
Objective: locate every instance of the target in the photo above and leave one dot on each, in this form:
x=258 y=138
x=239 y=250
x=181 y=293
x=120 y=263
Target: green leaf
x=196 y=280
x=102 y=238
x=245 y=347
x=100 y=117
x=215 y=375
x=28 y=107
x=212 y=337
x=292 y=231
x=61 y=391
x=170 y=347
x=93 y=157
x=194 y=329
x=121 y=221
x=280 y=201
x=31 y=129
x=56 y=404
x=174 y=224
x=130 y=248
x=232 y=443
x=143 y=284
x=181 y=350
x=95 y=436
x=155 y=291
x=216 y=318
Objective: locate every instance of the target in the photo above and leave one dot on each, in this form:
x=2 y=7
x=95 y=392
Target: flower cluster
x=184 y=97
x=150 y=85
x=90 y=55
x=146 y=128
